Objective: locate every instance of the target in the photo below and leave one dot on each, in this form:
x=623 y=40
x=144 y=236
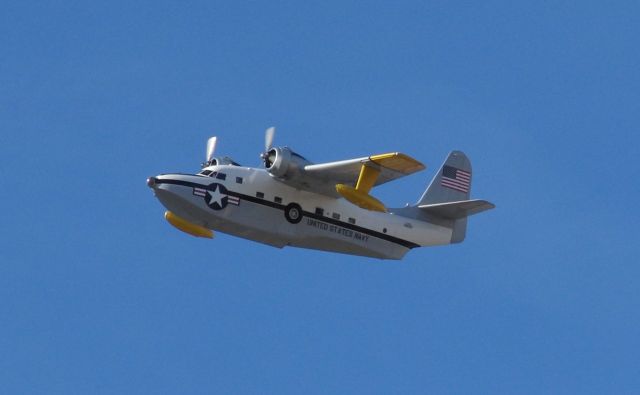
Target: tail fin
x=452 y=183
x=447 y=197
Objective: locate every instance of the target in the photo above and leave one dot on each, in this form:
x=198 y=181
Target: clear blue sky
x=99 y=295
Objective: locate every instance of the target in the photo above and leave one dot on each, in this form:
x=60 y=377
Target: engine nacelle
x=282 y=162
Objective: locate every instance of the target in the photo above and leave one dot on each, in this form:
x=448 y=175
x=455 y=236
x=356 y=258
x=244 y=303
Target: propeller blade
x=211 y=147
x=268 y=138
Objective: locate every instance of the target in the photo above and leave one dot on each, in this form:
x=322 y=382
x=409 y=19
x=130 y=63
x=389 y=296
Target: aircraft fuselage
x=252 y=204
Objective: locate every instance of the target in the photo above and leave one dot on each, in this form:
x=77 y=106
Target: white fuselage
x=251 y=203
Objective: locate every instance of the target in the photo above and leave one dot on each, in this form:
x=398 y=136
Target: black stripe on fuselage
x=253 y=199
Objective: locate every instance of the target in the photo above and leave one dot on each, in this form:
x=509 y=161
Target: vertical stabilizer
x=452 y=182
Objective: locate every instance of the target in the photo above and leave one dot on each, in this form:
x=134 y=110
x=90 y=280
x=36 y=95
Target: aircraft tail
x=447 y=196
x=452 y=182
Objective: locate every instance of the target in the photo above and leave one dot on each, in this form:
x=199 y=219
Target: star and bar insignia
x=216 y=196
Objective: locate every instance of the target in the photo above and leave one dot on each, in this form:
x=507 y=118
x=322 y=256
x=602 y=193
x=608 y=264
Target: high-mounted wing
x=391 y=166
x=354 y=178
x=351 y=179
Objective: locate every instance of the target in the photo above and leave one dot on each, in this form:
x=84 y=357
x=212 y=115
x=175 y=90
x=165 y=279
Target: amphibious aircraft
x=323 y=206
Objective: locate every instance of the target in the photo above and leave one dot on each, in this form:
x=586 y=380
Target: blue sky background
x=99 y=295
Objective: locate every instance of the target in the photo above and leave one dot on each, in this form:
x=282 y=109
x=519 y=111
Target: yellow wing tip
x=398 y=161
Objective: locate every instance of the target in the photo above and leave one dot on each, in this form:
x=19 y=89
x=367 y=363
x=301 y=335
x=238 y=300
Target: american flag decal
x=457 y=179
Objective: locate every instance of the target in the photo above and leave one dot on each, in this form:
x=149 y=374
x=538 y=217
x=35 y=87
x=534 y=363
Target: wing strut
x=360 y=194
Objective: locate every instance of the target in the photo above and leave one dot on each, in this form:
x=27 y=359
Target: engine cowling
x=282 y=162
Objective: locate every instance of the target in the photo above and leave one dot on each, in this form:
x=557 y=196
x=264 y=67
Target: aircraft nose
x=151 y=182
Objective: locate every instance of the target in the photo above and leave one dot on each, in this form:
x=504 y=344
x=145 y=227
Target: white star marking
x=216 y=196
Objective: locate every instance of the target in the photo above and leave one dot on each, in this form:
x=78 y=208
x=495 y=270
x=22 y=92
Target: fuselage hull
x=250 y=203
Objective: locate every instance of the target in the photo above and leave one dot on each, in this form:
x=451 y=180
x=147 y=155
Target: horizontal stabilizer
x=456 y=210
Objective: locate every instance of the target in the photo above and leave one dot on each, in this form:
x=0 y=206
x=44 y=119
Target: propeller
x=268 y=138
x=268 y=143
x=211 y=147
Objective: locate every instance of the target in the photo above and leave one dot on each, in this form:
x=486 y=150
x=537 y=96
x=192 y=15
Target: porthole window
x=352 y=221
x=319 y=211
x=277 y=199
x=260 y=195
x=239 y=180
x=335 y=216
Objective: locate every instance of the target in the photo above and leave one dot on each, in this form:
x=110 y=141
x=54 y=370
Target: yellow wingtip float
x=360 y=198
x=369 y=172
x=188 y=227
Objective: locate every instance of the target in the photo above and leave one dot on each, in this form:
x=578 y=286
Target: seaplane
x=290 y=201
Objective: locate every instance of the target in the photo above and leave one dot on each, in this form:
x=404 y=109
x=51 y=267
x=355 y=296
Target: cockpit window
x=205 y=172
x=221 y=176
